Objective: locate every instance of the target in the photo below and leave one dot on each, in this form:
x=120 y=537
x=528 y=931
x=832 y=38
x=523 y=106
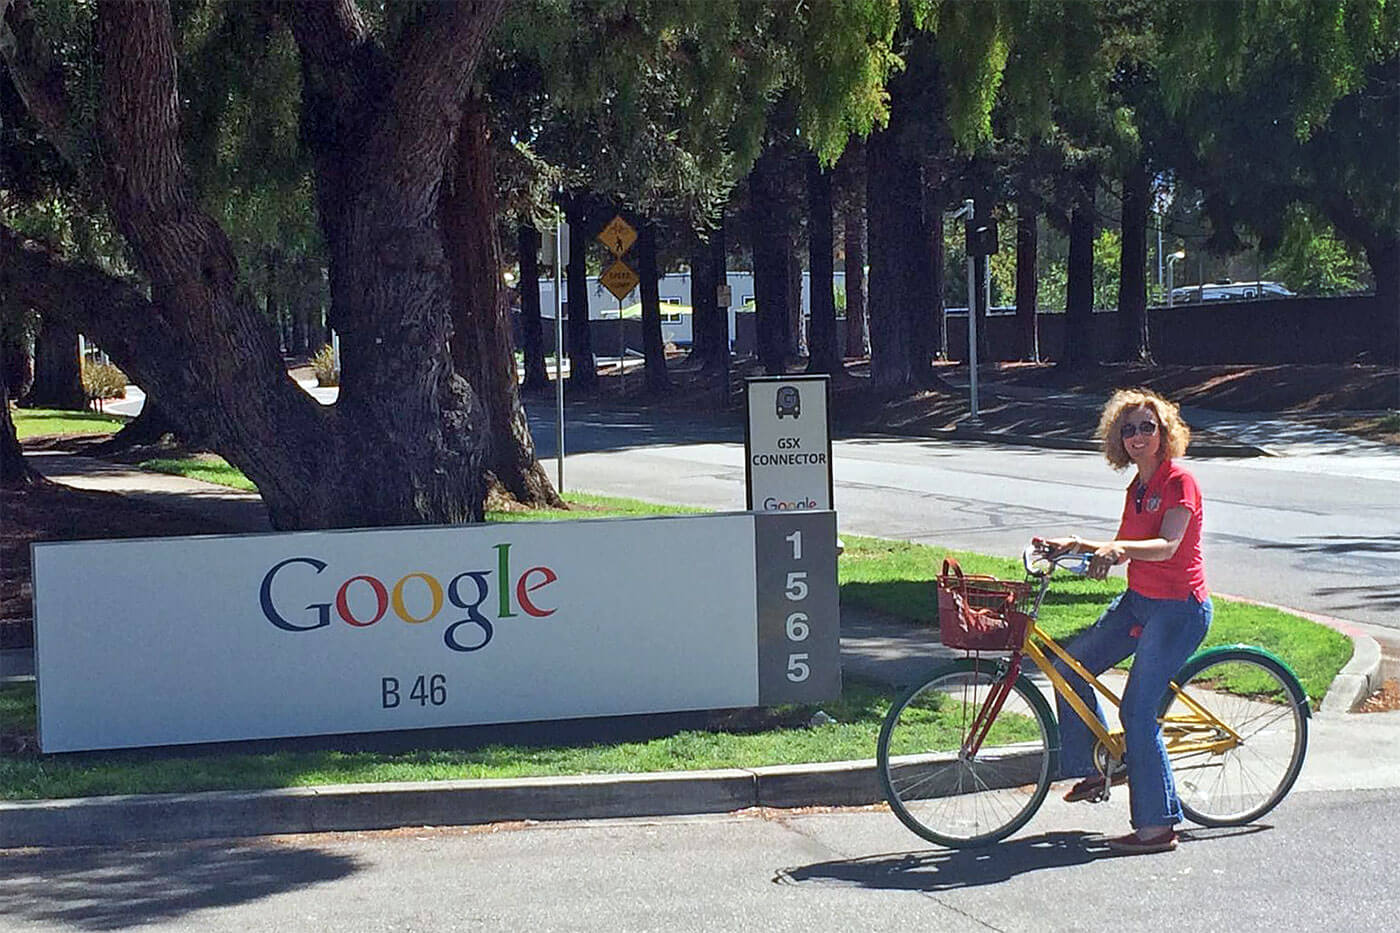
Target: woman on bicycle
x=1162 y=618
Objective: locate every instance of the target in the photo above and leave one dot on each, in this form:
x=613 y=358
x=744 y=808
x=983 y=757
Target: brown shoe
x=1133 y=844
x=1092 y=788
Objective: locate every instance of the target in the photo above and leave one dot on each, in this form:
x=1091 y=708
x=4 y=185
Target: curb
x=349 y=808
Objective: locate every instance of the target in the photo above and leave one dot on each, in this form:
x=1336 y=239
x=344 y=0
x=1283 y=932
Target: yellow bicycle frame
x=1185 y=733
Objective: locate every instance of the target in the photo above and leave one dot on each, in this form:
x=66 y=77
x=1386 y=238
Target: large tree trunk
x=653 y=347
x=1027 y=284
x=148 y=427
x=851 y=179
x=16 y=352
x=531 y=323
x=1134 y=339
x=937 y=204
x=770 y=259
x=704 y=305
x=795 y=325
x=1079 y=289
x=924 y=305
x=58 y=372
x=583 y=370
x=893 y=211
x=1383 y=256
x=274 y=309
x=13 y=470
x=853 y=235
x=984 y=203
x=482 y=348
x=822 y=350
x=719 y=274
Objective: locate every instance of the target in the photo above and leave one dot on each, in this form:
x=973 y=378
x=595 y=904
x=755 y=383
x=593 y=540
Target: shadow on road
x=116 y=888
x=1339 y=544
x=950 y=869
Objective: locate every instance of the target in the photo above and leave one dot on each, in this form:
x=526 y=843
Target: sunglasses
x=1145 y=428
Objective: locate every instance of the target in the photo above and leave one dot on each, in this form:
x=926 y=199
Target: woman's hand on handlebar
x=1056 y=547
x=1066 y=553
x=1106 y=557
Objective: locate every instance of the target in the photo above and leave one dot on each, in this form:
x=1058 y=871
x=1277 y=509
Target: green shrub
x=323 y=365
x=103 y=380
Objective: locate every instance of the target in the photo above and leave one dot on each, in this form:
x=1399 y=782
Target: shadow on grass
x=117 y=888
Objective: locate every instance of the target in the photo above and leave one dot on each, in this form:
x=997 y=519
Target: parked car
x=1229 y=291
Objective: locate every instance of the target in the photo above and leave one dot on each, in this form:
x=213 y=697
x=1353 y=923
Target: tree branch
x=38 y=77
x=109 y=309
x=328 y=34
x=438 y=57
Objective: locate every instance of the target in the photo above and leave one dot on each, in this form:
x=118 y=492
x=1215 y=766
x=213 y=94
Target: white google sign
x=787 y=444
x=181 y=640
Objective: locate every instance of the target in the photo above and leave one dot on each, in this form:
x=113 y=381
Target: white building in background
x=675 y=291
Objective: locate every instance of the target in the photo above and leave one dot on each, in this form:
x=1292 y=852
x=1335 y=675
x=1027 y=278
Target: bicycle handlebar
x=1038 y=552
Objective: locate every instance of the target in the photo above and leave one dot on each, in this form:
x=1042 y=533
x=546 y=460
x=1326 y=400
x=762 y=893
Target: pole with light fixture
x=1172 y=260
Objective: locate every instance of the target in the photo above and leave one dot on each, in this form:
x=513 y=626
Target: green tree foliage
x=1311 y=260
x=1285 y=101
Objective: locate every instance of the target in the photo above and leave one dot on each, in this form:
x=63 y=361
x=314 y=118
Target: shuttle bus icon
x=789 y=401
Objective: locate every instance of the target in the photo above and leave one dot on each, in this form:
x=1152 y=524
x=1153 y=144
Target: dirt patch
x=1360 y=400
x=1296 y=390
x=1383 y=700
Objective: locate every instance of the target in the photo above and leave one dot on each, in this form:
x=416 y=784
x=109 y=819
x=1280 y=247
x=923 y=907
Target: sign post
x=559 y=351
x=618 y=278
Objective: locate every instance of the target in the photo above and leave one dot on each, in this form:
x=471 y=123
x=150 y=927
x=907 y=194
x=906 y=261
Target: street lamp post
x=1171 y=273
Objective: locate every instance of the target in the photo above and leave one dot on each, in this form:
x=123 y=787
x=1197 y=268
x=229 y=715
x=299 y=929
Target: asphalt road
x=1318 y=531
x=1323 y=861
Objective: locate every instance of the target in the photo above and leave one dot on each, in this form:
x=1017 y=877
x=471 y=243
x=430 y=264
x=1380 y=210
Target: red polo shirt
x=1184 y=575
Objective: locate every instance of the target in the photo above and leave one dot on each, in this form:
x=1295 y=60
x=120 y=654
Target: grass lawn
x=36 y=422
x=892 y=577
x=209 y=468
x=852 y=735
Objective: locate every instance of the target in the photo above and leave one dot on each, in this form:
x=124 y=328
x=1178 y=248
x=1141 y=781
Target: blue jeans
x=1171 y=629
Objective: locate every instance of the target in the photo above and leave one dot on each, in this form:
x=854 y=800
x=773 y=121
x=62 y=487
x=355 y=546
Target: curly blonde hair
x=1175 y=434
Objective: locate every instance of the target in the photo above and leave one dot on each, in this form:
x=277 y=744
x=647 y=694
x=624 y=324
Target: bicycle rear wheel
x=944 y=791
x=1259 y=699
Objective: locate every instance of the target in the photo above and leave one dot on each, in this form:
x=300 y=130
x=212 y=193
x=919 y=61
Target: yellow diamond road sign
x=619 y=279
x=618 y=236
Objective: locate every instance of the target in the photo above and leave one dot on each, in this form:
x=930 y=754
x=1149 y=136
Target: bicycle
x=967 y=757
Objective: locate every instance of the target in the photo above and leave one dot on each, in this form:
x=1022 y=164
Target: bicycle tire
x=958 y=802
x=1242 y=783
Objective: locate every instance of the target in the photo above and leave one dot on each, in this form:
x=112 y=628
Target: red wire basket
x=977 y=612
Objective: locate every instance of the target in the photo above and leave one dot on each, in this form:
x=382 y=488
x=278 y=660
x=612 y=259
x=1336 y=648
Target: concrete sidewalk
x=872 y=647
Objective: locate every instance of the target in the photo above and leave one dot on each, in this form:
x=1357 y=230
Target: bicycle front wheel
x=946 y=786
x=1224 y=779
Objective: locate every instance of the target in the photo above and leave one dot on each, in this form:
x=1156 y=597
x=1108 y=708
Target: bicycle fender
x=1293 y=682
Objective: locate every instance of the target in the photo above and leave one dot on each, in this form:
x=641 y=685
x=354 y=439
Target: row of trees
x=178 y=172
